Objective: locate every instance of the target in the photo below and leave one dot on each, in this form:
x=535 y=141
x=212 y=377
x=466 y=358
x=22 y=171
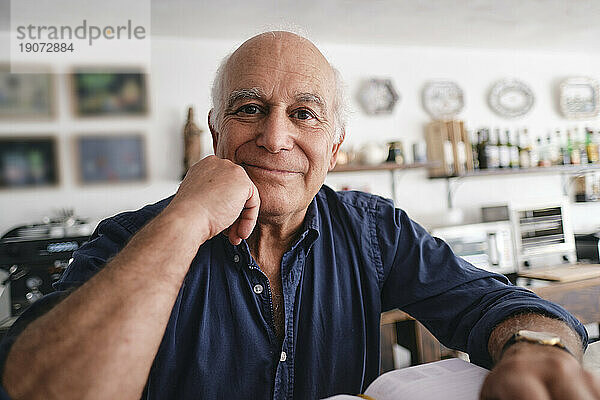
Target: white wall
x=182 y=71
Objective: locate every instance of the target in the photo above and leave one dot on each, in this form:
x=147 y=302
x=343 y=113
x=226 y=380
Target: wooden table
x=581 y=298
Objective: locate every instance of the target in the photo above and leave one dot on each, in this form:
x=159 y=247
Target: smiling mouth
x=273 y=171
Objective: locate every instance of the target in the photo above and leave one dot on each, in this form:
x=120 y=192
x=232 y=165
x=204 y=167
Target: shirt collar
x=310 y=233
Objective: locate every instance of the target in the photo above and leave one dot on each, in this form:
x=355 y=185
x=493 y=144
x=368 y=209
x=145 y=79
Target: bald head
x=283 y=50
x=281 y=53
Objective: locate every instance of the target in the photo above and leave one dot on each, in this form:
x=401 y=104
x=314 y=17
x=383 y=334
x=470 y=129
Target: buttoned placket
x=259 y=284
x=292 y=265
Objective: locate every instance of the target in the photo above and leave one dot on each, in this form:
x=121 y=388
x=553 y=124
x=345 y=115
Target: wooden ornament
x=192 y=142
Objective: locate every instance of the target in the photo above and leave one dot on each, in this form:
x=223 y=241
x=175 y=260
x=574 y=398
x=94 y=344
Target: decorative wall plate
x=378 y=96
x=511 y=98
x=579 y=98
x=442 y=99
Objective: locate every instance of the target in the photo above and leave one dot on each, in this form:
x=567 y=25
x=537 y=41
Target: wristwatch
x=543 y=338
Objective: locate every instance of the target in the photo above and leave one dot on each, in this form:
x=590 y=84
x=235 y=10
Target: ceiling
x=562 y=25
x=549 y=24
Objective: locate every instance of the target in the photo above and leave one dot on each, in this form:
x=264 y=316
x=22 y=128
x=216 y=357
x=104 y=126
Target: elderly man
x=255 y=281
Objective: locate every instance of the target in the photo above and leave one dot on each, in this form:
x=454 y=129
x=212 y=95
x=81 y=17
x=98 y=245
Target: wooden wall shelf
x=565 y=169
x=390 y=167
x=387 y=166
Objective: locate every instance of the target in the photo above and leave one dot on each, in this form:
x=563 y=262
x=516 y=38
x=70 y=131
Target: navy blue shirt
x=355 y=257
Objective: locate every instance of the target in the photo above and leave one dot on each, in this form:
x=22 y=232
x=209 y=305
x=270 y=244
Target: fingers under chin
x=232 y=233
x=235 y=240
x=245 y=228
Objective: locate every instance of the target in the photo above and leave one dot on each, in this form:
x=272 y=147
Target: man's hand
x=532 y=371
x=218 y=194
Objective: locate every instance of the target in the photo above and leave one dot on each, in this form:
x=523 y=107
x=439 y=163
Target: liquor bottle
x=513 y=152
x=565 y=155
x=591 y=149
x=533 y=154
x=493 y=157
x=554 y=147
x=524 y=149
x=574 y=155
x=543 y=156
x=596 y=144
x=583 y=157
x=475 y=140
x=482 y=150
x=503 y=150
x=549 y=150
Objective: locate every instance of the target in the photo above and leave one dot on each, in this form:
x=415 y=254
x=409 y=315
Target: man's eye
x=249 y=109
x=303 y=114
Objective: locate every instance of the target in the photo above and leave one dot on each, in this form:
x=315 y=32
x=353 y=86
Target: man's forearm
x=101 y=340
x=535 y=322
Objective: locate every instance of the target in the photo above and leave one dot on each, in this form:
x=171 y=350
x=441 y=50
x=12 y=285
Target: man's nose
x=277 y=132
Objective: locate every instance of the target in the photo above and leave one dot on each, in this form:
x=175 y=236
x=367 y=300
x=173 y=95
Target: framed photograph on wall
x=28 y=162
x=98 y=93
x=26 y=96
x=110 y=158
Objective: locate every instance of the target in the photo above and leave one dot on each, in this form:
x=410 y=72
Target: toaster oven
x=488 y=245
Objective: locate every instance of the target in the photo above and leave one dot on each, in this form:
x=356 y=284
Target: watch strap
x=519 y=337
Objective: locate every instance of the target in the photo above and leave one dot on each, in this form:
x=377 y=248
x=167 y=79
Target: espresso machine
x=33 y=257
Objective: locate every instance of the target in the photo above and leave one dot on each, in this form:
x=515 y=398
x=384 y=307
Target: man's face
x=278 y=120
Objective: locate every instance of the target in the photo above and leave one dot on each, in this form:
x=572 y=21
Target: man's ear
x=335 y=149
x=213 y=130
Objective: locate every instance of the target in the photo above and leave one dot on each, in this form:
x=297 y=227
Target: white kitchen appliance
x=488 y=245
x=543 y=234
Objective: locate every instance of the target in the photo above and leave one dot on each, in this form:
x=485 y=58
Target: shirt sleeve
x=459 y=303
x=107 y=240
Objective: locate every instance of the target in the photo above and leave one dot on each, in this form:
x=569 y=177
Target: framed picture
x=104 y=93
x=28 y=162
x=111 y=159
x=26 y=96
x=579 y=98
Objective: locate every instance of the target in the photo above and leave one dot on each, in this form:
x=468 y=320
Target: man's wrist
x=196 y=227
x=535 y=338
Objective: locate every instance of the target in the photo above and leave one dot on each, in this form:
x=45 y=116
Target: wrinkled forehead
x=284 y=63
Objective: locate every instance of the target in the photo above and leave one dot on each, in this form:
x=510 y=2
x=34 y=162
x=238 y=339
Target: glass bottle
x=503 y=150
x=572 y=150
x=493 y=158
x=513 y=151
x=543 y=156
x=591 y=149
x=524 y=149
x=475 y=140
x=554 y=147
x=533 y=153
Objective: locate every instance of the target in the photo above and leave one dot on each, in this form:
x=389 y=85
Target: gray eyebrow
x=256 y=93
x=243 y=94
x=311 y=98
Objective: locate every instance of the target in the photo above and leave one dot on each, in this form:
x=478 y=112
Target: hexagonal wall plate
x=378 y=96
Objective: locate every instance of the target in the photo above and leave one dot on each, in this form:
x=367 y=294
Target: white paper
x=452 y=379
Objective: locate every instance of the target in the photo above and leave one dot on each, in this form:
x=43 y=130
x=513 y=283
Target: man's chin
x=278 y=201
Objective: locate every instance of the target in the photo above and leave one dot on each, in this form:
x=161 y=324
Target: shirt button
x=258 y=289
x=236 y=258
x=283 y=356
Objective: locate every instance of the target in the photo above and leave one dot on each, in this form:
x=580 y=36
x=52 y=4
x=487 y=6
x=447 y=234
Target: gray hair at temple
x=340 y=105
